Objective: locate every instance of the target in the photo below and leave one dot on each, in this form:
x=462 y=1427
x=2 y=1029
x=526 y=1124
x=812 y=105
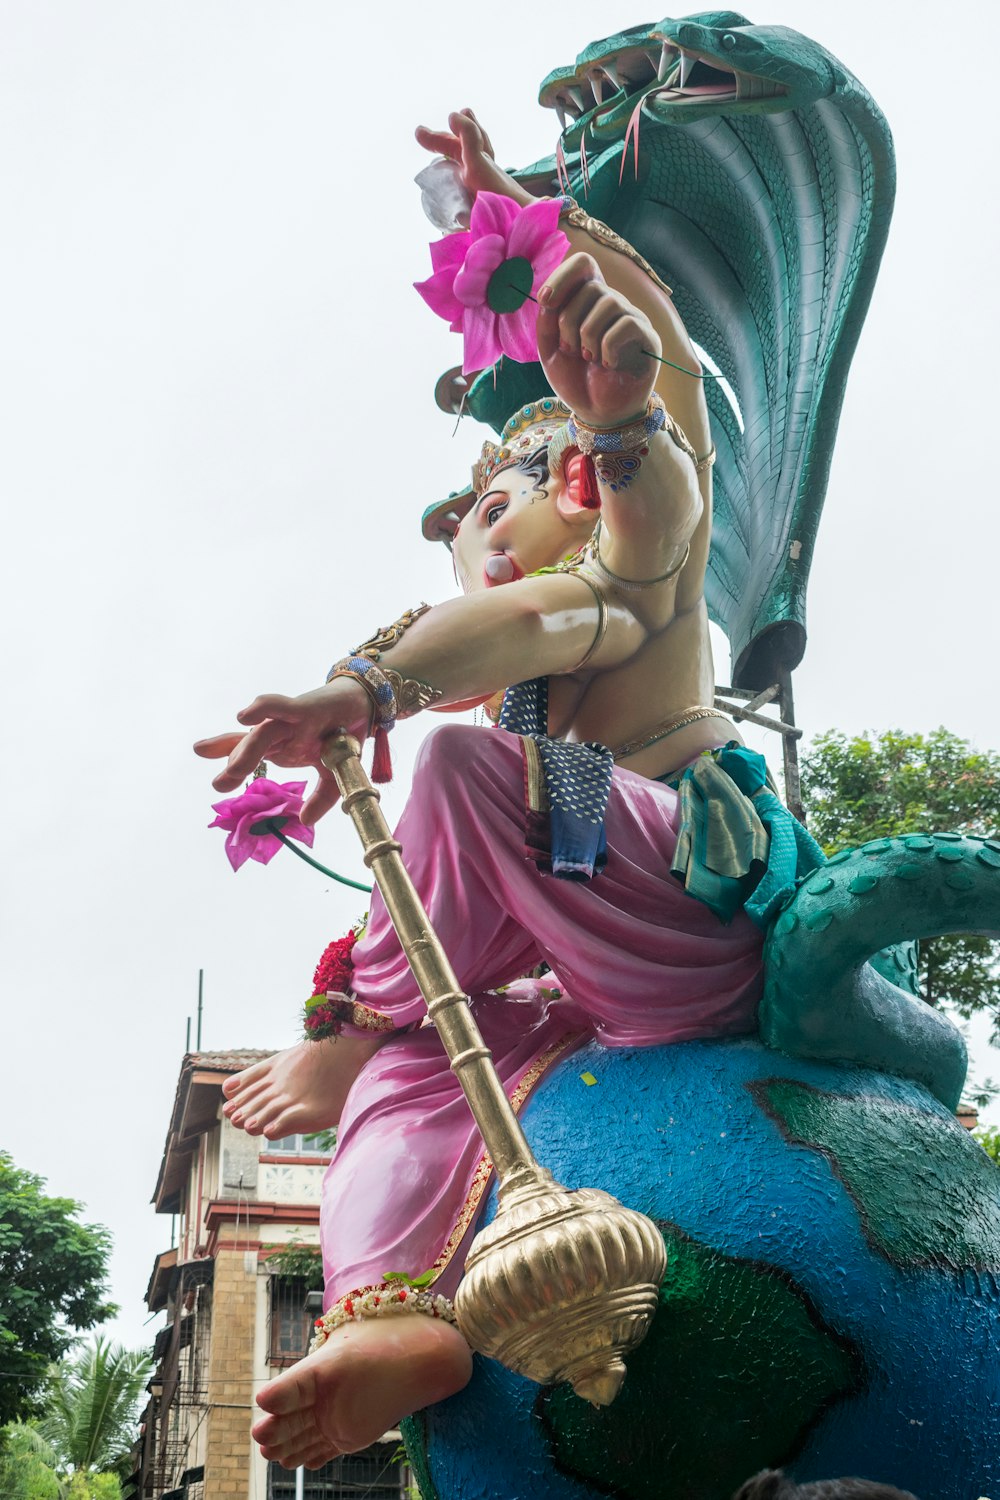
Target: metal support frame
x=780 y=694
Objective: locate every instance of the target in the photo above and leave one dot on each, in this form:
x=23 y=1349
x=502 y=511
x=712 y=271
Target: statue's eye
x=729 y=40
x=495 y=512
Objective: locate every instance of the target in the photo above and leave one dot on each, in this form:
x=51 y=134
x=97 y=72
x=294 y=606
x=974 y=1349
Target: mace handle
x=447 y=1004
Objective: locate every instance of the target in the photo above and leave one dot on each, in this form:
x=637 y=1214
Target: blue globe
x=831 y=1303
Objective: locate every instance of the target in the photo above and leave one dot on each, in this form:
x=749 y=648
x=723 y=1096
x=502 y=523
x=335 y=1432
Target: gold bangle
x=631 y=585
x=603 y=619
x=630 y=436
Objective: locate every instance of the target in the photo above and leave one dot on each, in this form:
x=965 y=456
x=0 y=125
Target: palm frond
x=91 y=1406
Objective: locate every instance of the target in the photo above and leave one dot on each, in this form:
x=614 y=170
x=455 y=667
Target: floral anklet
x=324 y=1016
x=379 y=1301
x=332 y=1005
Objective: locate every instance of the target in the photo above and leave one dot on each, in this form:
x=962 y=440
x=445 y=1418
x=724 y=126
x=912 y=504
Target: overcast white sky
x=218 y=436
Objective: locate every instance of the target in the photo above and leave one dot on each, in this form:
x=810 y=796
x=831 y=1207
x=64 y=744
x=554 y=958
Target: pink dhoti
x=635 y=962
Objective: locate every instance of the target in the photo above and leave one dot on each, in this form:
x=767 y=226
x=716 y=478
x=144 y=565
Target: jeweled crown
x=531 y=427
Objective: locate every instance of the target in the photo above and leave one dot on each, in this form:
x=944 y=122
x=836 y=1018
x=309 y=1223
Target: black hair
x=771 y=1484
x=535 y=466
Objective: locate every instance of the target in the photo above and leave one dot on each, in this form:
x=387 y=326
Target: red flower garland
x=334 y=970
x=325 y=1017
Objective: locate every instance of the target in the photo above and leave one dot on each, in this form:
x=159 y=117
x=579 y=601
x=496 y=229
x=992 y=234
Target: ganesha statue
x=686 y=1005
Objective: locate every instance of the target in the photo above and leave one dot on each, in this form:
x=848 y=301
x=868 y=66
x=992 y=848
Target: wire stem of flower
x=356 y=885
x=648 y=352
x=693 y=373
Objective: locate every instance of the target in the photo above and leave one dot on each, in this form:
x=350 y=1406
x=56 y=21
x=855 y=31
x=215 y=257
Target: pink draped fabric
x=635 y=962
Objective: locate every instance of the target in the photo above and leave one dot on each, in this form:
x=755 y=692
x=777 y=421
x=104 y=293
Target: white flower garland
x=379 y=1302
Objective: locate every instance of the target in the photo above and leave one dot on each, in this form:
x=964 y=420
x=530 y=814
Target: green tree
x=53 y=1272
x=877 y=786
x=298 y=1263
x=27 y=1465
x=94 y=1487
x=989 y=1138
x=90 y=1410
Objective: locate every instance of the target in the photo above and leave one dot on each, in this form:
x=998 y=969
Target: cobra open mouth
x=668 y=73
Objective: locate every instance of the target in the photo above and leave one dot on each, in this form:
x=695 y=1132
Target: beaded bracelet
x=614 y=454
x=379 y=1302
x=375 y=683
x=392 y=695
x=628 y=437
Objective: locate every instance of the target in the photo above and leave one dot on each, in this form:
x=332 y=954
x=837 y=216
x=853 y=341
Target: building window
x=291 y=1321
x=298 y=1145
x=378 y=1473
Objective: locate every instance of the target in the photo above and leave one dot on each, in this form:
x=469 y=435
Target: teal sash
x=738 y=845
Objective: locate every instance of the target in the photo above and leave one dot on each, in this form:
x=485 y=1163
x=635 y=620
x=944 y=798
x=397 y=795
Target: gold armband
x=578 y=218
x=393 y=696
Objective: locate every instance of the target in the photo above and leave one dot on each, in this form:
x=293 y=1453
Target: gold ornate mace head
x=561 y=1285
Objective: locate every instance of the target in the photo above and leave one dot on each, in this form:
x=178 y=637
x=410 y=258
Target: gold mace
x=561 y=1284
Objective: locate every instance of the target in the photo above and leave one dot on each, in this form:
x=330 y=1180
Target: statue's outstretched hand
x=594 y=344
x=466 y=143
x=292 y=732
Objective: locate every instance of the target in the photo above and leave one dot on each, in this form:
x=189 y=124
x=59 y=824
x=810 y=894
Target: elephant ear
x=756 y=176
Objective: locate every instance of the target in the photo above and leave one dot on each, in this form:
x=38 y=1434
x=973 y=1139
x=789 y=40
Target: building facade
x=237 y=1287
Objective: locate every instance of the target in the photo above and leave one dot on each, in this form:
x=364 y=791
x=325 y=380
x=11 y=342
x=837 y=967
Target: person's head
x=771 y=1484
x=524 y=510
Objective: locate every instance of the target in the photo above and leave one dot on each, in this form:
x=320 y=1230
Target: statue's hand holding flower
x=253 y=820
x=598 y=349
x=486 y=278
x=292 y=732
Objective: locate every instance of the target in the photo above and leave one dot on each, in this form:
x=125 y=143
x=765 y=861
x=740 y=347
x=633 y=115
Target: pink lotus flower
x=485 y=277
x=245 y=819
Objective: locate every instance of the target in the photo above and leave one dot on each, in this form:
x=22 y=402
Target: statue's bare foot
x=299 y=1090
x=364 y=1379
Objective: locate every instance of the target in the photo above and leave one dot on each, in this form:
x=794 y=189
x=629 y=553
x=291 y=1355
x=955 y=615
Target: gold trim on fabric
x=535 y=784
x=484 y=1167
x=367 y=1019
x=719 y=826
